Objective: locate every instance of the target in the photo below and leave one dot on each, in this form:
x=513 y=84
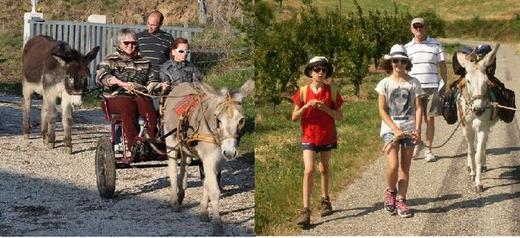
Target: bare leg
x=404 y=171
x=392 y=167
x=324 y=171
x=308 y=176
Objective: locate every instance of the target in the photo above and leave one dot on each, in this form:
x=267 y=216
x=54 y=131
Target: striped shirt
x=425 y=57
x=155 y=48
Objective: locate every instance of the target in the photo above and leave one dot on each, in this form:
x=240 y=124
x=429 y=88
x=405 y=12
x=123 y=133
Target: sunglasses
x=418 y=26
x=400 y=61
x=319 y=69
x=133 y=43
x=182 y=51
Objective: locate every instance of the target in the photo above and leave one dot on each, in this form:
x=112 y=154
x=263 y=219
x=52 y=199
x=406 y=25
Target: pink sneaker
x=389 y=202
x=402 y=209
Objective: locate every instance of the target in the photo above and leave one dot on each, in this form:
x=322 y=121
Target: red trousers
x=128 y=107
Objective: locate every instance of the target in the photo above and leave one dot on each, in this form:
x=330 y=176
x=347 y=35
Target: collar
x=428 y=38
x=177 y=63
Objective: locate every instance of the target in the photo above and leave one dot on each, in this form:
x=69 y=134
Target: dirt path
x=50 y=193
x=441 y=193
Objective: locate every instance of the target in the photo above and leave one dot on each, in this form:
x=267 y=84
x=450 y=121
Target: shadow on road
x=490 y=151
x=378 y=207
x=473 y=203
x=87 y=214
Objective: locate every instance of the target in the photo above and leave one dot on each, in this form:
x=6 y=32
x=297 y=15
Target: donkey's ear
x=461 y=59
x=247 y=88
x=207 y=89
x=91 y=55
x=490 y=57
x=60 y=61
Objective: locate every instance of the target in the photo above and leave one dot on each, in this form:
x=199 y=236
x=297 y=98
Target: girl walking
x=400 y=110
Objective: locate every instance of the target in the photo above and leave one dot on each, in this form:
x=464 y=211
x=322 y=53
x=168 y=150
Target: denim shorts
x=319 y=148
x=387 y=138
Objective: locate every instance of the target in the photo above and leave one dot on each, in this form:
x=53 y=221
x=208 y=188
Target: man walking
x=428 y=60
x=154 y=44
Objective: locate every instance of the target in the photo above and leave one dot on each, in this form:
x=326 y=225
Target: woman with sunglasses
x=400 y=110
x=123 y=72
x=178 y=69
x=317 y=112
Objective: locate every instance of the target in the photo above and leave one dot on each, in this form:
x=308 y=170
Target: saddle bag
x=505 y=97
x=449 y=106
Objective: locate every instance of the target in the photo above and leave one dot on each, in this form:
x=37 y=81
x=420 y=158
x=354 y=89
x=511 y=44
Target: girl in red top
x=317 y=111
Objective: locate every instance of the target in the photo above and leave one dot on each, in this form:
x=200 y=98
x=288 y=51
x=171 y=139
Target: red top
x=317 y=126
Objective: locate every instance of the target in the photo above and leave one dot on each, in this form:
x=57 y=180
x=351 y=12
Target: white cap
x=397 y=51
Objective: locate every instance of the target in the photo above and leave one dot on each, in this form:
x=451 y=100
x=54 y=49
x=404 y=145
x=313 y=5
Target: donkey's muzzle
x=229 y=154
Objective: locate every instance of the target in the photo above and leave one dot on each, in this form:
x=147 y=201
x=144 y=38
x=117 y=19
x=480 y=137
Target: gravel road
x=50 y=193
x=441 y=194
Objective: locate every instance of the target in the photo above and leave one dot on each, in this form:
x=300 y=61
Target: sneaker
x=429 y=157
x=402 y=208
x=326 y=207
x=304 y=219
x=389 y=202
x=418 y=148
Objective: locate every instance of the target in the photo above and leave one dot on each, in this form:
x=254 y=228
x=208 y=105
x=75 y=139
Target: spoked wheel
x=105 y=168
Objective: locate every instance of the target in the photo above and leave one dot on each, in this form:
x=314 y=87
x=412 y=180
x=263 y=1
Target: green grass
x=447 y=9
x=279 y=166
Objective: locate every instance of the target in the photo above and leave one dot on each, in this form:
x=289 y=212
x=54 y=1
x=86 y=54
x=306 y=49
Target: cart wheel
x=105 y=168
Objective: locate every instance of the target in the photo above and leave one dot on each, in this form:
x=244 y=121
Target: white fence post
x=27 y=18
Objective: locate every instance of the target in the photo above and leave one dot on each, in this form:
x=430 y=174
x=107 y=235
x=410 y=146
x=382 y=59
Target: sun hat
x=418 y=20
x=397 y=51
x=318 y=61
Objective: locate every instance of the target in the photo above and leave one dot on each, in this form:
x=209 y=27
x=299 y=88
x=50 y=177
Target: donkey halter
x=215 y=135
x=226 y=106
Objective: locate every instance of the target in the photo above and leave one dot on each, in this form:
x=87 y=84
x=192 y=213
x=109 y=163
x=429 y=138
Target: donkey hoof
x=204 y=217
x=472 y=178
x=483 y=169
x=218 y=229
x=68 y=150
x=468 y=169
x=26 y=136
x=479 y=188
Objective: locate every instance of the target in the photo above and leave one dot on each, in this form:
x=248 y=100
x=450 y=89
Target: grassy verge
x=478 y=28
x=279 y=166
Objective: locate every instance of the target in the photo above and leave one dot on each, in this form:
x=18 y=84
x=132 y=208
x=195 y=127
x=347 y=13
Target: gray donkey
x=207 y=125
